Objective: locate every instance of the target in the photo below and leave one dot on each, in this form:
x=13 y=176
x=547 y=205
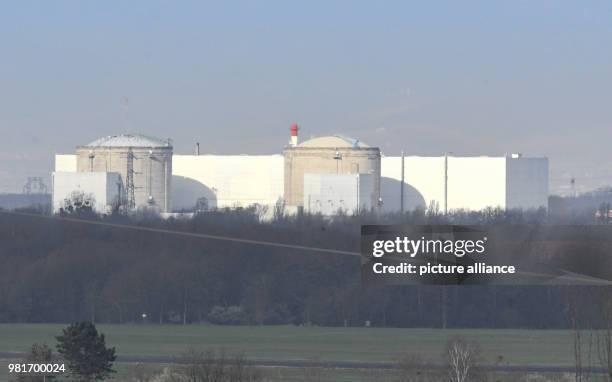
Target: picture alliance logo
x=411 y=247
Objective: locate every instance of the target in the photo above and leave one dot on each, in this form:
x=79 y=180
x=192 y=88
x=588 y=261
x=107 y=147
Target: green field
x=517 y=347
x=135 y=372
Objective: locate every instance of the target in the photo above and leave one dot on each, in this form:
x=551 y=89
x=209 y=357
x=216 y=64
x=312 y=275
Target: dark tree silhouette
x=85 y=352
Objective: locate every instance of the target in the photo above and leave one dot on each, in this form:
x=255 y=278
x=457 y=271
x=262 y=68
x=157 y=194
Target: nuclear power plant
x=326 y=175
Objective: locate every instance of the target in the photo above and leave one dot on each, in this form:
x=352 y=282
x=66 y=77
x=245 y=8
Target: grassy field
x=135 y=372
x=517 y=347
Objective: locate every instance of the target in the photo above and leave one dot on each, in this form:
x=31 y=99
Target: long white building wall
x=473 y=182
x=227 y=180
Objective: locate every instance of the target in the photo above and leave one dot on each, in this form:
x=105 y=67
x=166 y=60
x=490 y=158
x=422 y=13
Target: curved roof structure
x=333 y=141
x=129 y=140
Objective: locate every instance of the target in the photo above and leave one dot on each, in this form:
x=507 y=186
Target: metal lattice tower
x=129 y=187
x=34 y=185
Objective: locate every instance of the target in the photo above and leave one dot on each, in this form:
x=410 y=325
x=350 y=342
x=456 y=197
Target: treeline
x=65 y=271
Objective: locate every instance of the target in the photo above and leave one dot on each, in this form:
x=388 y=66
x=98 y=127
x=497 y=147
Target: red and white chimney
x=294 y=135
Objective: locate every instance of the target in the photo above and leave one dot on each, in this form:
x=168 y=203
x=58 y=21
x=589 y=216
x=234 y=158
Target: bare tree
x=39 y=353
x=604 y=336
x=279 y=209
x=209 y=366
x=463 y=359
x=578 y=326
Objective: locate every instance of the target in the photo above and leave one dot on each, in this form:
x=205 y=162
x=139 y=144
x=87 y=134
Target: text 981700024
x=36 y=368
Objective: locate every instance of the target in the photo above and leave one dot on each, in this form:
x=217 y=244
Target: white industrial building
x=102 y=191
x=446 y=183
x=329 y=194
x=469 y=183
x=451 y=183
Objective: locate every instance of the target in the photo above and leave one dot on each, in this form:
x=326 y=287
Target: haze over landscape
x=477 y=79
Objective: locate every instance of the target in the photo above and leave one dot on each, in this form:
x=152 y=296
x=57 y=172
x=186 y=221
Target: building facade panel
x=423 y=182
x=228 y=180
x=65 y=162
x=101 y=190
x=527 y=183
x=329 y=194
x=475 y=183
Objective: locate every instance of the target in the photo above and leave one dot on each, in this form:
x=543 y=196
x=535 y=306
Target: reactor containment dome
x=328 y=155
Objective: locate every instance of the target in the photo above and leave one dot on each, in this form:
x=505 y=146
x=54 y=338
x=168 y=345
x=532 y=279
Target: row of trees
x=70 y=270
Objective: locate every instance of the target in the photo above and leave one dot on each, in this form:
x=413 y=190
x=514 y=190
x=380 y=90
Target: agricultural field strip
x=278 y=345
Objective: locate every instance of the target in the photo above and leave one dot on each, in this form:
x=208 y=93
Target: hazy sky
x=469 y=77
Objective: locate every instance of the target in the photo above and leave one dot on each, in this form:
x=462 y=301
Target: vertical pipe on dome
x=294 y=135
